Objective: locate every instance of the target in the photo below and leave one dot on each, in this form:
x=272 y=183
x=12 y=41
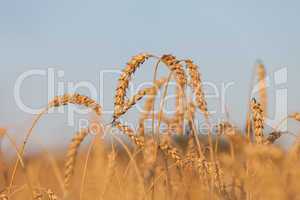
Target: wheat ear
x=57 y=102
x=258 y=121
x=176 y=67
x=76 y=99
x=138 y=140
x=71 y=157
x=125 y=77
x=171 y=152
x=196 y=85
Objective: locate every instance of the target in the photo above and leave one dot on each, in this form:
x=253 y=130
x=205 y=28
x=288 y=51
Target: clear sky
x=83 y=38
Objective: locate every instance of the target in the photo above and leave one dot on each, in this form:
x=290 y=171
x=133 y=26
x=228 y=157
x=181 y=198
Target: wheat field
x=176 y=162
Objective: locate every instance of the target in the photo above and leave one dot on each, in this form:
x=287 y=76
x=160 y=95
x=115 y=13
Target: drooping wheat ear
x=56 y=102
x=71 y=157
x=176 y=67
x=258 y=121
x=261 y=73
x=124 y=79
x=41 y=194
x=151 y=91
x=76 y=99
x=272 y=137
x=196 y=84
x=138 y=140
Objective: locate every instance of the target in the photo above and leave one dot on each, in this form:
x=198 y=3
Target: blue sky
x=84 y=37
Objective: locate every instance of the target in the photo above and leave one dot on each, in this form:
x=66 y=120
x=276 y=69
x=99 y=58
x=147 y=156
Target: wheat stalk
x=258 y=121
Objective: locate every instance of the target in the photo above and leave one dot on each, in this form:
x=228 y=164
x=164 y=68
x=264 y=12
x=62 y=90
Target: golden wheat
x=124 y=79
x=58 y=101
x=138 y=140
x=196 y=84
x=258 y=121
x=175 y=66
x=72 y=155
x=171 y=152
x=237 y=170
x=76 y=99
